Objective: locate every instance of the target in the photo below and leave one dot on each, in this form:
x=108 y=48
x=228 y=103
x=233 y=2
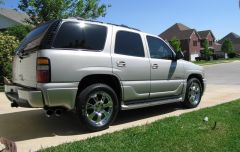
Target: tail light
x=43 y=70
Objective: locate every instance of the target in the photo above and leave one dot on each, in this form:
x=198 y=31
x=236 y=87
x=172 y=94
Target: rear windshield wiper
x=22 y=54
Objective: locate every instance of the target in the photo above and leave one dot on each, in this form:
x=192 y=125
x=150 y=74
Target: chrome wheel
x=99 y=108
x=194 y=94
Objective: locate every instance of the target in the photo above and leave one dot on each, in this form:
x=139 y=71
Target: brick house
x=189 y=38
x=213 y=46
x=207 y=35
x=235 y=40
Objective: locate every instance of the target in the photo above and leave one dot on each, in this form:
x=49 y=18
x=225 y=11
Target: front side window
x=129 y=43
x=159 y=49
x=81 y=36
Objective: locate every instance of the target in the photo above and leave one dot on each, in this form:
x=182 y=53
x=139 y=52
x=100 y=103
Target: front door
x=166 y=74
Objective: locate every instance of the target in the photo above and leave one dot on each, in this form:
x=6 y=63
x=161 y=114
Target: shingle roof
x=233 y=37
x=14 y=15
x=204 y=34
x=179 y=31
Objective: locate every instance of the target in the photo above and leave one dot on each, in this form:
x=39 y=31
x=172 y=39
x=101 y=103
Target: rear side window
x=128 y=43
x=81 y=36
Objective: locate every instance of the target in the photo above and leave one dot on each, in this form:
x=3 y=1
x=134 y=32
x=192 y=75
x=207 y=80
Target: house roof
x=233 y=37
x=204 y=34
x=178 y=30
x=14 y=15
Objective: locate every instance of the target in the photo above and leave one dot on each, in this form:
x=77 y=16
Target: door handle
x=154 y=66
x=121 y=64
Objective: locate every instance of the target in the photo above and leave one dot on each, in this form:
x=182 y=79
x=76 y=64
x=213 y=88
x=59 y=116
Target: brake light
x=43 y=70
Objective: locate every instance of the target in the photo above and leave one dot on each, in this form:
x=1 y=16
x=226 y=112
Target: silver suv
x=98 y=69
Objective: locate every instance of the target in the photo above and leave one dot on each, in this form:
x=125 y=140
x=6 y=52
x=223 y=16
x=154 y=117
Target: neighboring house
x=189 y=38
x=10 y=17
x=213 y=46
x=235 y=40
x=207 y=35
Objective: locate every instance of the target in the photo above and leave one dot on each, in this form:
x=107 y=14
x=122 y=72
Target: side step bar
x=149 y=103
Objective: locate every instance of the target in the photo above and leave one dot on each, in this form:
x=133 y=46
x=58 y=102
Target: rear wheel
x=97 y=106
x=193 y=93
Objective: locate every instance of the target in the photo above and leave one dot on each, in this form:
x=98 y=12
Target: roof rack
x=122 y=25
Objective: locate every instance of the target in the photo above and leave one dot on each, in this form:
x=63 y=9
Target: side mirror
x=179 y=55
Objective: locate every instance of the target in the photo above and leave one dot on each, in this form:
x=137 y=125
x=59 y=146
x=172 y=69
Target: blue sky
x=155 y=16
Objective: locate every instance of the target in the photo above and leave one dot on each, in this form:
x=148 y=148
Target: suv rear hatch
x=25 y=58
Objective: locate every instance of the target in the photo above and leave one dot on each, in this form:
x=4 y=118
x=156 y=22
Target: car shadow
x=143 y=113
x=33 y=124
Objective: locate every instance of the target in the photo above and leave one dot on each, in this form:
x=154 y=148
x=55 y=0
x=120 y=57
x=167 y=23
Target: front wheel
x=193 y=93
x=97 y=106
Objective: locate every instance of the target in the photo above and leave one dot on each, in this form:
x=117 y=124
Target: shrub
x=7 y=46
x=231 y=54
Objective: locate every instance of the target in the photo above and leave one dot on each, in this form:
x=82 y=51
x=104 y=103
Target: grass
x=187 y=132
x=203 y=62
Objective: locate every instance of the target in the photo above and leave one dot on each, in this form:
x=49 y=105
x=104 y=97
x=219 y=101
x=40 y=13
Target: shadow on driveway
x=33 y=124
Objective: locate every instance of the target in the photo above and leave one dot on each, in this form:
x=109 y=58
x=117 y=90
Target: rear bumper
x=44 y=96
x=23 y=97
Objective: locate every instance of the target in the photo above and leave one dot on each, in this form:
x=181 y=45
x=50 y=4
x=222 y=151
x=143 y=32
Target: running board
x=149 y=104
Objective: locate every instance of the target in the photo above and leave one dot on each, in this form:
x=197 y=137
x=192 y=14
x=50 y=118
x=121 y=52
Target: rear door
x=166 y=74
x=24 y=61
x=130 y=63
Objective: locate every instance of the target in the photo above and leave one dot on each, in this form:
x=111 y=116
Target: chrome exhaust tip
x=58 y=112
x=49 y=113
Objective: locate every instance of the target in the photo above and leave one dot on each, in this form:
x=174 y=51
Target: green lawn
x=187 y=132
x=202 y=62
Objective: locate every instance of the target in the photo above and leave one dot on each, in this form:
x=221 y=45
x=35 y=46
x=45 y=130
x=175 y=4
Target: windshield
x=33 y=38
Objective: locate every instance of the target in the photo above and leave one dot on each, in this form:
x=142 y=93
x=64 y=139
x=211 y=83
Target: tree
x=176 y=44
x=227 y=46
x=206 y=51
x=41 y=11
x=1 y=2
x=19 y=31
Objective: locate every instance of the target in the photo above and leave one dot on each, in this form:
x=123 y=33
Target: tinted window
x=33 y=38
x=81 y=36
x=158 y=48
x=128 y=43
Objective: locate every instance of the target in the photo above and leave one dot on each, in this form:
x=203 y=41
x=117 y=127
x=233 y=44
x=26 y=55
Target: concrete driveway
x=31 y=130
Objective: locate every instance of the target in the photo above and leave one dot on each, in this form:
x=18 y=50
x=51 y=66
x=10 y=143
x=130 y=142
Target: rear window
x=81 y=36
x=34 y=38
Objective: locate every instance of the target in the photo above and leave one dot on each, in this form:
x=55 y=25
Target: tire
x=193 y=93
x=97 y=106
